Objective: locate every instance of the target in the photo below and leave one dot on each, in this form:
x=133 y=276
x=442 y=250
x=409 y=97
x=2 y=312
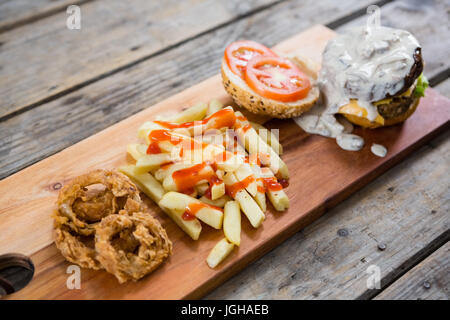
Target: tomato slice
x=238 y=53
x=276 y=78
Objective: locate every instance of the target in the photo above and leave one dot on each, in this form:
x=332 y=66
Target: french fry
x=183 y=131
x=279 y=199
x=225 y=160
x=220 y=202
x=148 y=126
x=255 y=145
x=232 y=143
x=194 y=113
x=194 y=194
x=242 y=173
x=179 y=202
x=167 y=170
x=201 y=152
x=201 y=188
x=220 y=251
x=195 y=127
x=211 y=148
x=214 y=106
x=153 y=189
x=268 y=136
x=150 y=162
x=217 y=190
x=232 y=222
x=136 y=150
x=192 y=227
x=246 y=202
x=145 y=181
x=213 y=136
x=220 y=173
x=169 y=183
x=260 y=196
x=145 y=129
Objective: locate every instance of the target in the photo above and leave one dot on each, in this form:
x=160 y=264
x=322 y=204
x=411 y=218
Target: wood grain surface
x=317 y=262
x=53 y=126
x=328 y=258
x=14 y=14
x=406 y=209
x=128 y=33
x=22 y=200
x=429 y=280
x=312 y=159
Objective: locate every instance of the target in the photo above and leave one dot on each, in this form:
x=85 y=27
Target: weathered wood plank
x=18 y=231
x=40 y=132
x=429 y=280
x=113 y=35
x=343 y=242
x=25 y=214
x=325 y=252
x=406 y=209
x=444 y=88
x=19 y=12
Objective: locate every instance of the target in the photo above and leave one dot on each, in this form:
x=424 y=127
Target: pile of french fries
x=252 y=155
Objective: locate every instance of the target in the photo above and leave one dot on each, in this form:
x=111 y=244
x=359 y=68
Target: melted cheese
x=354 y=109
x=407 y=93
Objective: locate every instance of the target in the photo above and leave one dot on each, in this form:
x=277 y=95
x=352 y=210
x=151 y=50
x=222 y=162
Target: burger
x=373 y=76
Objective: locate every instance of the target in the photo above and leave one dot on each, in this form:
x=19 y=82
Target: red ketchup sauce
x=212 y=181
x=187 y=179
x=220 y=119
x=271 y=184
x=193 y=208
x=156 y=136
x=238 y=186
x=284 y=182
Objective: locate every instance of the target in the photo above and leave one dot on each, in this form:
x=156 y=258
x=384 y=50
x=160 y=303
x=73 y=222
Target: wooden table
x=59 y=86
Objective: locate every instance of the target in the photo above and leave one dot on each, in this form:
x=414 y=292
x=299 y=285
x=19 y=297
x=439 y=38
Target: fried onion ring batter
x=131 y=242
x=77 y=249
x=131 y=246
x=81 y=210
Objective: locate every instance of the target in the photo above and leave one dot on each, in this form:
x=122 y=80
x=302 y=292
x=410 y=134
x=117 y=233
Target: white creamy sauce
x=364 y=64
x=350 y=142
x=378 y=150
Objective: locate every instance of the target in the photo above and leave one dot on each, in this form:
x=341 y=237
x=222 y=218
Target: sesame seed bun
x=245 y=97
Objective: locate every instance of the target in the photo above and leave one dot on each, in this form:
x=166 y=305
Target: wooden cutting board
x=322 y=175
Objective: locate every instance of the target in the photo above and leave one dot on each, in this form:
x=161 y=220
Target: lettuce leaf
x=422 y=84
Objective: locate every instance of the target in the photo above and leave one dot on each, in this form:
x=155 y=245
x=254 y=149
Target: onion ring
x=75 y=250
x=81 y=211
x=131 y=246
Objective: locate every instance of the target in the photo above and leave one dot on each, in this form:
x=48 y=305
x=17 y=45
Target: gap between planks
x=42 y=13
x=334 y=24
x=128 y=91
x=135 y=62
x=428 y=280
x=441 y=76
x=406 y=266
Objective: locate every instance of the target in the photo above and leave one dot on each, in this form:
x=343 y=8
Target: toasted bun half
x=364 y=122
x=245 y=97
